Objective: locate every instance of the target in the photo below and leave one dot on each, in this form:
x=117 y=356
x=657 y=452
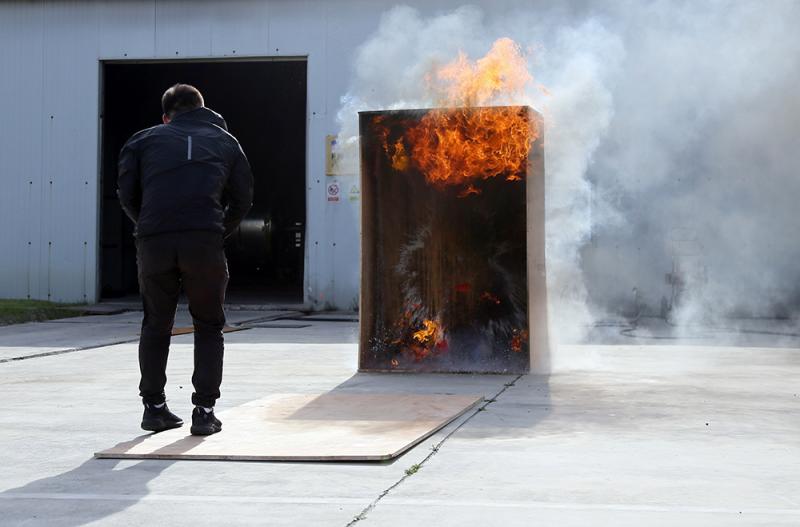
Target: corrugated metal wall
x=48 y=153
x=50 y=56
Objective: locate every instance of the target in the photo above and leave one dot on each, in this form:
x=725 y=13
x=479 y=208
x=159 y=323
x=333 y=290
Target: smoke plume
x=671 y=137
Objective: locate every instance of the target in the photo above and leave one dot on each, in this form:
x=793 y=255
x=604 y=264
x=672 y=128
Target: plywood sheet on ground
x=302 y=427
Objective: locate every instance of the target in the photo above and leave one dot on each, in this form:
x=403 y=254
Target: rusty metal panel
x=445 y=238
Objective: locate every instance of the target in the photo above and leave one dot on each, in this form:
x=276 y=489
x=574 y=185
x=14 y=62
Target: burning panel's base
x=293 y=427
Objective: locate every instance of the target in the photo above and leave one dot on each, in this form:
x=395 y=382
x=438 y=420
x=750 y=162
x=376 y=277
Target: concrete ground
x=633 y=429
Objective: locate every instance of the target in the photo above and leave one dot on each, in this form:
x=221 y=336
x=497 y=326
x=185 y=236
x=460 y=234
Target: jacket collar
x=203 y=114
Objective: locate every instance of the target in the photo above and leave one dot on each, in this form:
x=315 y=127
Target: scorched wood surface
x=445 y=241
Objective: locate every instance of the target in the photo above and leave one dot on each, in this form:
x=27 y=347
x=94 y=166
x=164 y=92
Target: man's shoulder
x=147 y=132
x=221 y=136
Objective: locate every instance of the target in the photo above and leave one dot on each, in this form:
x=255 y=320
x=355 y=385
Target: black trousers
x=195 y=261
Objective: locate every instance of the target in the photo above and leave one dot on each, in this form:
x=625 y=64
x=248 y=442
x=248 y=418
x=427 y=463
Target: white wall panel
x=347 y=24
x=126 y=29
x=296 y=27
x=240 y=28
x=69 y=151
x=21 y=93
x=183 y=29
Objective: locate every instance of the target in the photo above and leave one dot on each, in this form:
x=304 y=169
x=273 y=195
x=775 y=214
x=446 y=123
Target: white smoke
x=671 y=145
x=702 y=156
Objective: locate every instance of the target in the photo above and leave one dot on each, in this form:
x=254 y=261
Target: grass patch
x=20 y=311
x=413 y=469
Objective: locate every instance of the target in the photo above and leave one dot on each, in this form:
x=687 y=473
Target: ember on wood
x=452 y=239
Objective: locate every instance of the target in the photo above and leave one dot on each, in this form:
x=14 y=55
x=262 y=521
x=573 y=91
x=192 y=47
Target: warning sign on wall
x=333 y=191
x=331 y=158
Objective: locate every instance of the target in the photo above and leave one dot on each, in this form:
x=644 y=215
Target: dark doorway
x=264 y=104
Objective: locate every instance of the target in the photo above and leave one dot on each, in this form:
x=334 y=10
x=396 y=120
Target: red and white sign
x=333 y=191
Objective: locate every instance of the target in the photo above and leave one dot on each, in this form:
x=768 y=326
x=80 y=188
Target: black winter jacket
x=188 y=175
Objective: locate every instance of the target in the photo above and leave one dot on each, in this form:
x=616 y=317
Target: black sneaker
x=205 y=423
x=159 y=419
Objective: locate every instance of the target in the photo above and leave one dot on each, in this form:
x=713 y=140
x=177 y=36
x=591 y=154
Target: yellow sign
x=331 y=168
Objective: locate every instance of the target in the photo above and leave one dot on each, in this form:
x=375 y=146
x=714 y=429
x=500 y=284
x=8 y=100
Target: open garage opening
x=264 y=104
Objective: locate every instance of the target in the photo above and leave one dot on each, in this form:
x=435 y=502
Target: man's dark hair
x=180 y=98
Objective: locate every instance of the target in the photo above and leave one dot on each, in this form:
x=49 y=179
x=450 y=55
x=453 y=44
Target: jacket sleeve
x=129 y=184
x=238 y=192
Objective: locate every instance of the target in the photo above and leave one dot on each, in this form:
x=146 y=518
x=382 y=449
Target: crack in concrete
x=70 y=350
x=241 y=325
x=435 y=450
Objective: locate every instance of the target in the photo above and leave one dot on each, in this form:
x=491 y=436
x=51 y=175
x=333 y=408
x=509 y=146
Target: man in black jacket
x=186 y=184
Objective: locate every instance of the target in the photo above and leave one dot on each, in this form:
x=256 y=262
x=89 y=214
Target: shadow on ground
x=111 y=485
x=513 y=406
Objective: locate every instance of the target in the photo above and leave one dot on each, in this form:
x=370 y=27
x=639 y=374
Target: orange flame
x=424 y=335
x=455 y=146
x=500 y=76
x=400 y=158
x=469 y=191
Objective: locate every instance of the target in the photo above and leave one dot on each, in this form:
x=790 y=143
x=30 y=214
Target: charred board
x=446 y=260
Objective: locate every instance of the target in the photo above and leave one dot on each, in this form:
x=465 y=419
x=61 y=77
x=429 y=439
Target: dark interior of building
x=264 y=104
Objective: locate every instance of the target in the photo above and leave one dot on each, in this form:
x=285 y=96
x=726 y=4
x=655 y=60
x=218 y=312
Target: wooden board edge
x=105 y=454
x=443 y=424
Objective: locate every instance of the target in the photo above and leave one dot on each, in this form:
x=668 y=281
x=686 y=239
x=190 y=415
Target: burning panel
x=452 y=239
